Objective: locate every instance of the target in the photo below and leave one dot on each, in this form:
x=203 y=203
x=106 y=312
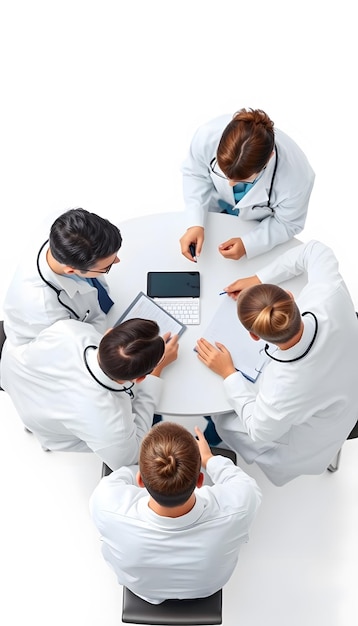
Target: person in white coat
x=242 y=165
x=297 y=415
x=163 y=533
x=63 y=277
x=77 y=390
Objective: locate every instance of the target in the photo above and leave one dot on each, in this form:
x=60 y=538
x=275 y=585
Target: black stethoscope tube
x=57 y=291
x=305 y=352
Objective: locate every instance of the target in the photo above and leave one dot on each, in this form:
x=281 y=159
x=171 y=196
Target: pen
x=85 y=317
x=192 y=250
x=222 y=293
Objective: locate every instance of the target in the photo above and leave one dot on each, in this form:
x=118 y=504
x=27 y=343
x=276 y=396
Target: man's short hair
x=79 y=239
x=131 y=349
x=169 y=463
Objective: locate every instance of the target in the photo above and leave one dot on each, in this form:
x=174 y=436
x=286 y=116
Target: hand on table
x=194 y=235
x=218 y=358
x=232 y=249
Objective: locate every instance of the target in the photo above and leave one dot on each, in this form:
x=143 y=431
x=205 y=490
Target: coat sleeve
x=260 y=414
x=313 y=257
x=197 y=184
x=233 y=487
x=286 y=221
x=249 y=417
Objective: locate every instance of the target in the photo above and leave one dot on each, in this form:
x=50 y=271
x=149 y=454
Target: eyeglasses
x=104 y=271
x=214 y=164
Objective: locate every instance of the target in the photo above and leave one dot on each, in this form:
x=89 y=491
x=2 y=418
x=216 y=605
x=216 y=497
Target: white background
x=99 y=100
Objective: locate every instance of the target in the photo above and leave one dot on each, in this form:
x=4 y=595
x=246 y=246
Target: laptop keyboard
x=186 y=310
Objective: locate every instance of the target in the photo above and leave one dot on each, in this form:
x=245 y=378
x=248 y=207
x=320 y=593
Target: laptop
x=178 y=293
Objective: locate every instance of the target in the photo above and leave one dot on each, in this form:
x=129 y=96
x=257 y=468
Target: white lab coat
x=290 y=195
x=31 y=306
x=62 y=404
x=295 y=418
x=191 y=556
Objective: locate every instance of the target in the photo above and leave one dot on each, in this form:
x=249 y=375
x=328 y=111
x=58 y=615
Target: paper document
x=144 y=307
x=248 y=355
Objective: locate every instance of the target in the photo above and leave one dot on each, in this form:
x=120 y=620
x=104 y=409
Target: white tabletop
x=151 y=243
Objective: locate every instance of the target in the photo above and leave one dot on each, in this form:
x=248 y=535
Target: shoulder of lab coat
x=197 y=183
x=293 y=184
x=31 y=306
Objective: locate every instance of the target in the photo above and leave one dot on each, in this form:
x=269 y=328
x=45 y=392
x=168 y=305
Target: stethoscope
x=57 y=291
x=272 y=180
x=305 y=352
x=127 y=390
x=268 y=205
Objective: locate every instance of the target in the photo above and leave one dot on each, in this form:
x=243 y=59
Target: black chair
x=177 y=612
x=2 y=335
x=2 y=339
x=106 y=471
x=333 y=466
x=230 y=454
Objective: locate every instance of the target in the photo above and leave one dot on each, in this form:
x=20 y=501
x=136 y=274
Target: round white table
x=151 y=243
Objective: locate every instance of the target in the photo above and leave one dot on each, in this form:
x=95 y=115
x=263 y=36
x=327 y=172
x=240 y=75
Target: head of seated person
x=246 y=145
x=270 y=313
x=131 y=350
x=169 y=468
x=81 y=242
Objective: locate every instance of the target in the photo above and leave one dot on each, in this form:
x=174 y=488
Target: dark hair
x=79 y=239
x=269 y=312
x=246 y=144
x=169 y=463
x=131 y=349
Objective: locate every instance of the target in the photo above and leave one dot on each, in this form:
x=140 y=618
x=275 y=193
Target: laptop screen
x=173 y=284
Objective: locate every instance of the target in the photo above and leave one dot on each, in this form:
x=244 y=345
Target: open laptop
x=178 y=293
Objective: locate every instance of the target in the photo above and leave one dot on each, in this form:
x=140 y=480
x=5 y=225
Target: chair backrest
x=2 y=335
x=223 y=451
x=172 y=612
x=333 y=466
x=230 y=454
x=106 y=471
x=2 y=339
x=354 y=432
